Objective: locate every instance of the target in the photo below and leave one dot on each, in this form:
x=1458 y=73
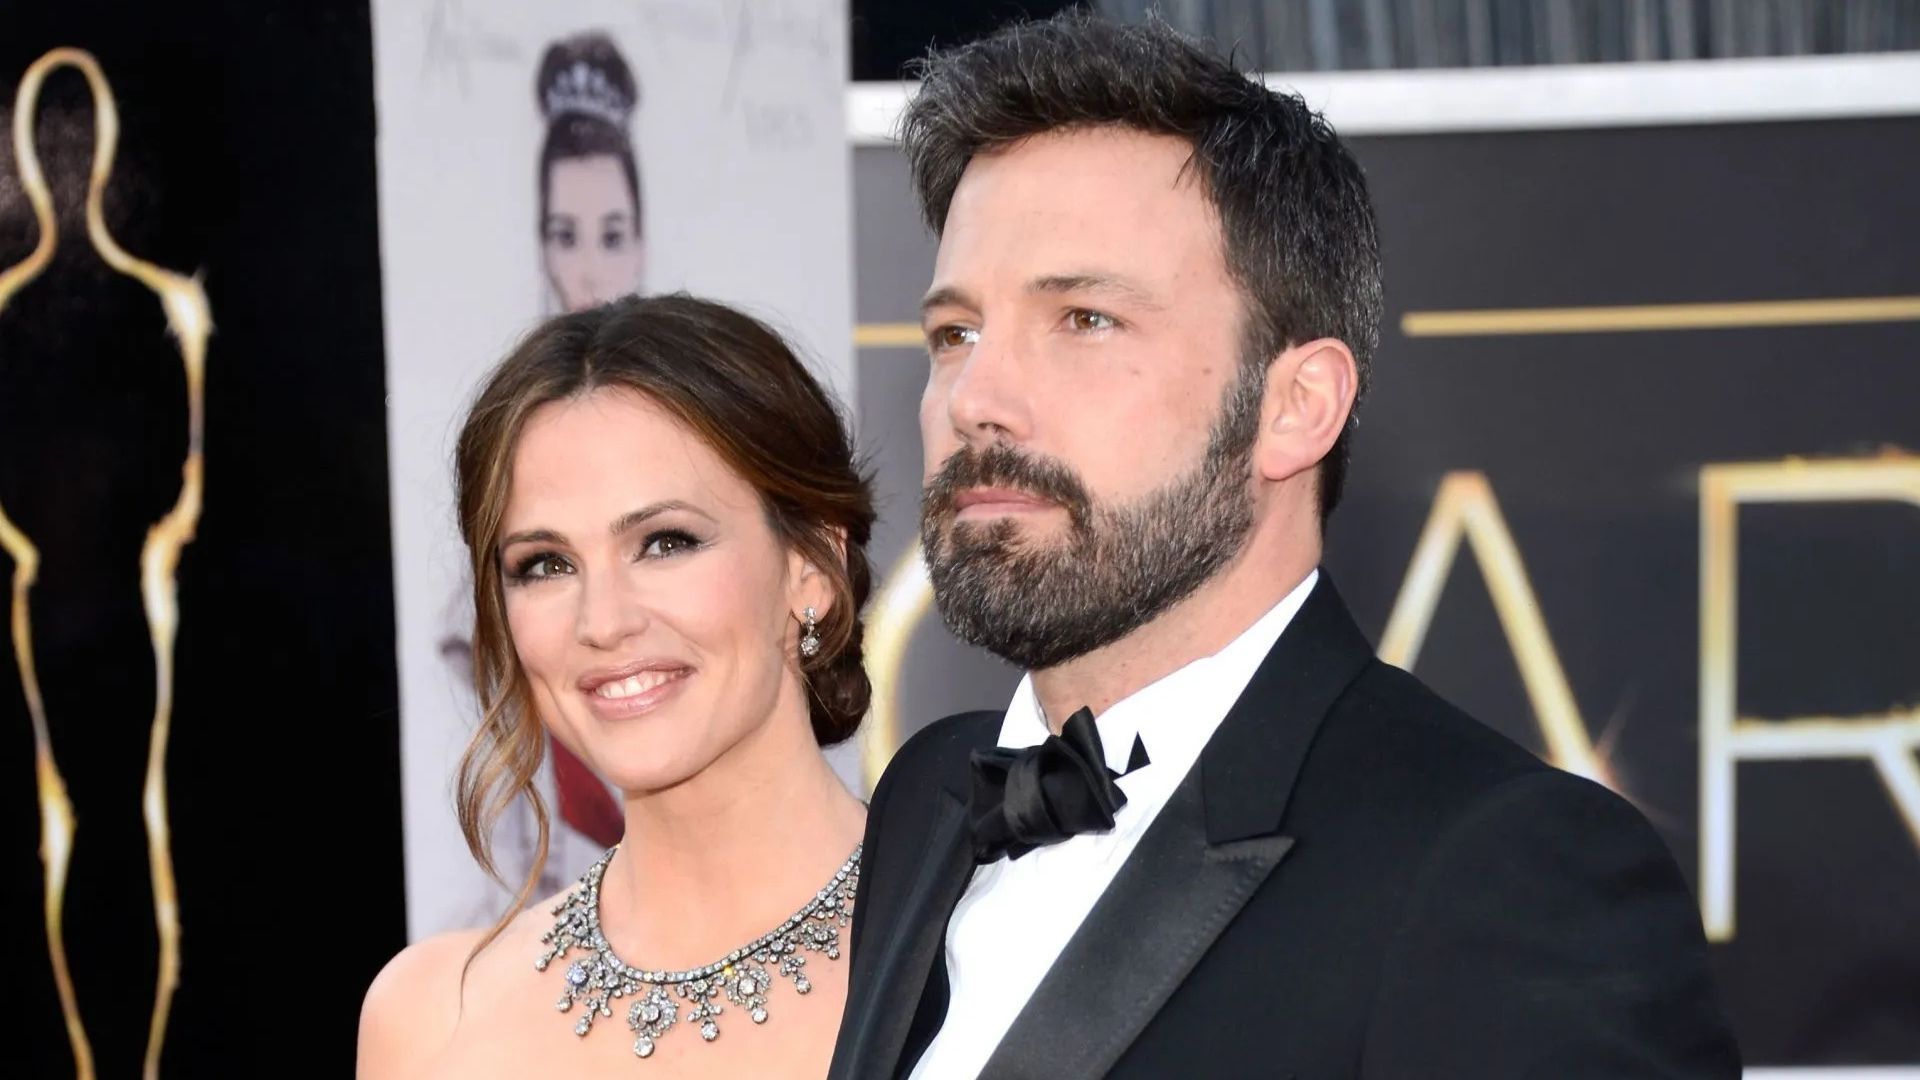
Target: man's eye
x=1088 y=321
x=952 y=337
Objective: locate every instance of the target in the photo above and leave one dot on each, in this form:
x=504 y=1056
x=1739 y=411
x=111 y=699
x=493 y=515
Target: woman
x=666 y=529
x=591 y=241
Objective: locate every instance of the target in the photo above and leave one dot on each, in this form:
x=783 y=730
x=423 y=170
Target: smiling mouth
x=635 y=685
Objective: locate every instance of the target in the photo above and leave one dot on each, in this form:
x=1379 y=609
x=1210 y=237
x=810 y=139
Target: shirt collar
x=1175 y=715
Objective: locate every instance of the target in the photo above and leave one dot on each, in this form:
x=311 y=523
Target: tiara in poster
x=586 y=90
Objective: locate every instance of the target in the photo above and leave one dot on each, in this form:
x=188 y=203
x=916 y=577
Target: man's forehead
x=1113 y=158
x=1106 y=202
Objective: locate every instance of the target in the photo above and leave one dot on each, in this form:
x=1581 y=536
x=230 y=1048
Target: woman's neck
x=726 y=855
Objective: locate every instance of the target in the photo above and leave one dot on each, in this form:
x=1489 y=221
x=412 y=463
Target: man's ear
x=1309 y=396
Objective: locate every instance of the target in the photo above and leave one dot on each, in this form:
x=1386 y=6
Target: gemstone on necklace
x=602 y=977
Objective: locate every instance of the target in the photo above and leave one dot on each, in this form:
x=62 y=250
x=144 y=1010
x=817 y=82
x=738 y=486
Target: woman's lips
x=634 y=689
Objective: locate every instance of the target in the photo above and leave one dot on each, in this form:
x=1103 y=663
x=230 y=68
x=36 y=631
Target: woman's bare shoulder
x=412 y=1007
x=415 y=1003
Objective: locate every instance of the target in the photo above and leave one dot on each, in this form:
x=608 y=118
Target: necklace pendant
x=742 y=978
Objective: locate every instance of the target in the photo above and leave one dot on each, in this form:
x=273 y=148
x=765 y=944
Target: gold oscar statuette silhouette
x=190 y=322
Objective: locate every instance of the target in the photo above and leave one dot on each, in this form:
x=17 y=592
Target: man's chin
x=1028 y=534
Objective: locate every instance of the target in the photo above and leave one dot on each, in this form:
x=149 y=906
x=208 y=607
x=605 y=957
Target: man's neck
x=1197 y=627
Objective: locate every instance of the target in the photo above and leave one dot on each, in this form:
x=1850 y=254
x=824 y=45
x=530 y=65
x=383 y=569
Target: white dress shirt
x=1018 y=914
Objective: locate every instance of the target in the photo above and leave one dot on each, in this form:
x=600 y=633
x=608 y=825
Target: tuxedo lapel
x=907 y=941
x=1216 y=841
x=1170 y=901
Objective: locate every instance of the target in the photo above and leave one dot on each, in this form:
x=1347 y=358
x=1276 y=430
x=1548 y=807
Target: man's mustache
x=1001 y=466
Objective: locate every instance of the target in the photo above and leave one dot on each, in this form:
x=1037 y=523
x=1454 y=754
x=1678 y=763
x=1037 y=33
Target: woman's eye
x=541 y=567
x=663 y=544
x=613 y=241
x=562 y=238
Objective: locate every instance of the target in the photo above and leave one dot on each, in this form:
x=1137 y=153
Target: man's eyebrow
x=1091 y=282
x=947 y=296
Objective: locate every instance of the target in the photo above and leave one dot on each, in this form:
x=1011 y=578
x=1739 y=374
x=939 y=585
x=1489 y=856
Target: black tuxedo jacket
x=1356 y=879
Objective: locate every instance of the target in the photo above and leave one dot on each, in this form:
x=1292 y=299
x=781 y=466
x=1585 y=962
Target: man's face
x=1086 y=424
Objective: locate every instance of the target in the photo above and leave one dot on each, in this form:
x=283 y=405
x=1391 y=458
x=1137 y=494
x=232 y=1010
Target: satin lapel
x=1210 y=848
x=876 y=1027
x=910 y=938
x=1170 y=901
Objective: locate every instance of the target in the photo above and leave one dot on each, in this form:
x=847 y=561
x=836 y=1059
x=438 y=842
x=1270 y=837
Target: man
x=1211 y=835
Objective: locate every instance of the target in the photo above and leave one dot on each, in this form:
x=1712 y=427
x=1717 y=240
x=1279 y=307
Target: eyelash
x=523 y=573
x=687 y=541
x=1074 y=314
x=936 y=343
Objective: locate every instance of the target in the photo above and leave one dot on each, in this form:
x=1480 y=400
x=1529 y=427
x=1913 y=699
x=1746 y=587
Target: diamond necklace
x=742 y=977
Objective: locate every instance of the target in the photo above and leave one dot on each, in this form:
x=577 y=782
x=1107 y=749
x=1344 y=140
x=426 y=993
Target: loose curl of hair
x=739 y=387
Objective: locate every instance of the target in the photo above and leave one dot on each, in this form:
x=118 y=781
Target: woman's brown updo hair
x=741 y=389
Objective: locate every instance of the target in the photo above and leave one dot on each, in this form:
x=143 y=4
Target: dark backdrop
x=246 y=154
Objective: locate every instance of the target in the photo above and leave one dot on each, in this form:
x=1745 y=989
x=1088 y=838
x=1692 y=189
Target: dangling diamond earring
x=810 y=634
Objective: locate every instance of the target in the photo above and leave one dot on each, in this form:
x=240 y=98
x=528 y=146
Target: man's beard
x=1039 y=604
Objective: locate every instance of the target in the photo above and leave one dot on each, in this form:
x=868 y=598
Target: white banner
x=724 y=123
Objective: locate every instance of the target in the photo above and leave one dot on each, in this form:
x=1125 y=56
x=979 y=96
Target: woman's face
x=653 y=610
x=591 y=237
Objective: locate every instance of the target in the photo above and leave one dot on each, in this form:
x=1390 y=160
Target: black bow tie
x=1040 y=795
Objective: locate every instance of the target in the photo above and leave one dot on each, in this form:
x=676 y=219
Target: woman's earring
x=810 y=633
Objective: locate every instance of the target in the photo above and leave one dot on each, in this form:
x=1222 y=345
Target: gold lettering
x=1464 y=509
x=891 y=620
x=1887 y=739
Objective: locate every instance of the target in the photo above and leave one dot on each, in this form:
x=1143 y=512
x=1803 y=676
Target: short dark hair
x=1300 y=235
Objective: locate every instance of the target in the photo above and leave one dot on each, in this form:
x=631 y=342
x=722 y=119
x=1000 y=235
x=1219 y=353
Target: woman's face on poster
x=591 y=236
